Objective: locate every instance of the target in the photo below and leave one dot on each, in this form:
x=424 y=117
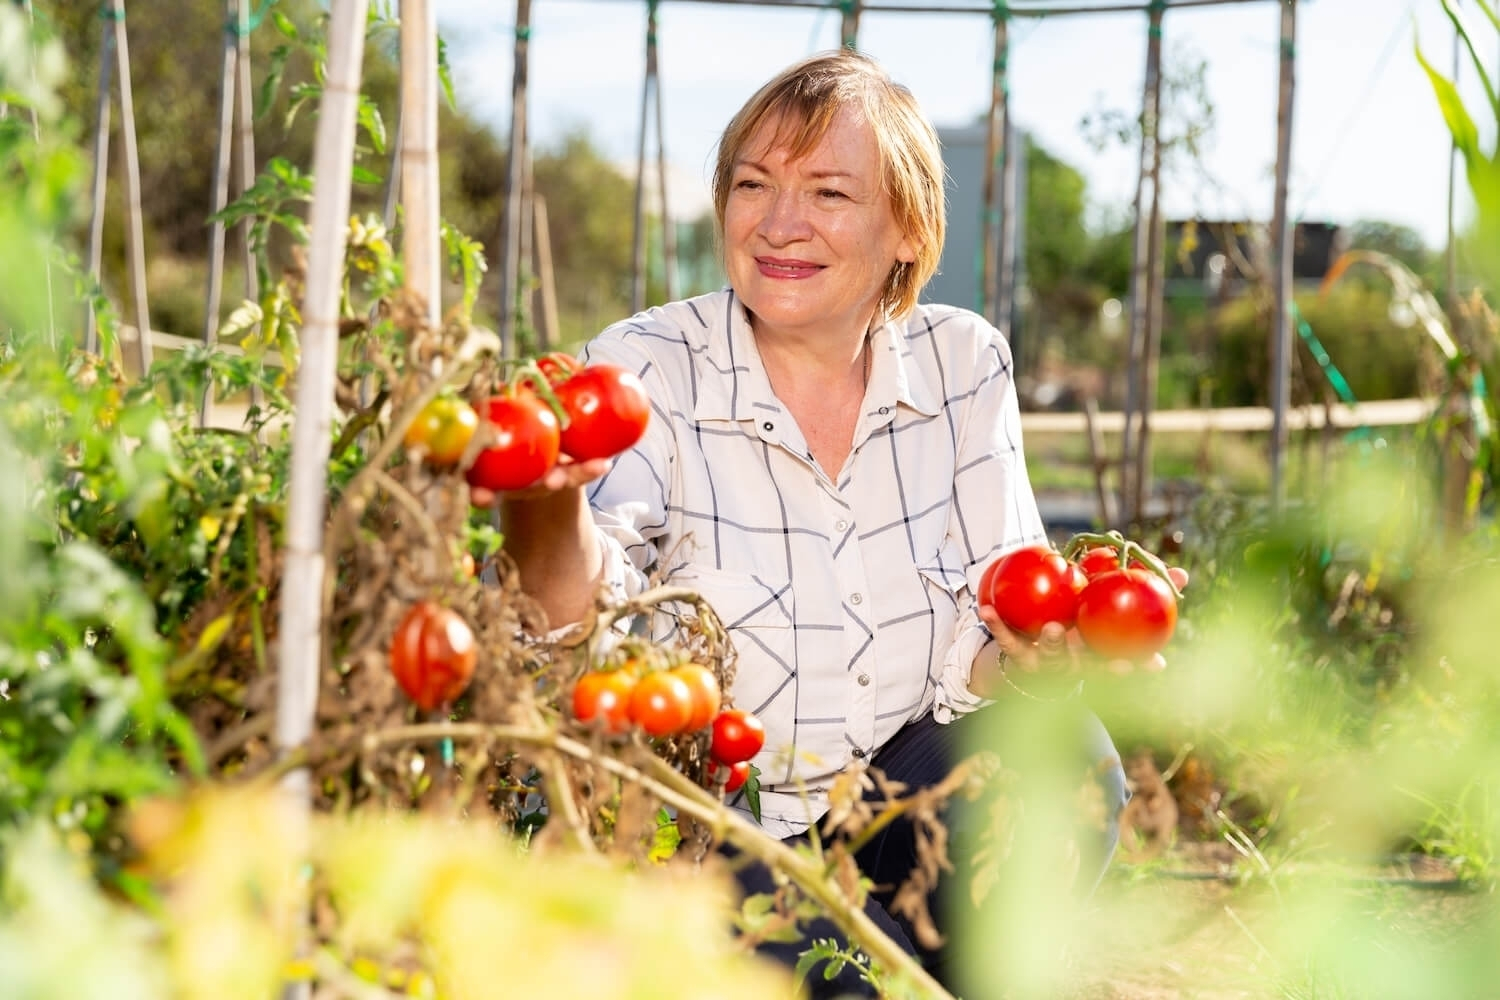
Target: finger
x=481 y=497
x=1053 y=639
x=1156 y=664
x=1178 y=576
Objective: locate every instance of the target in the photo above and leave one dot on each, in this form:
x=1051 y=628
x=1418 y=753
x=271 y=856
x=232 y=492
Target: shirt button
x=768 y=426
x=841 y=526
x=884 y=410
x=859 y=753
x=864 y=680
x=856 y=598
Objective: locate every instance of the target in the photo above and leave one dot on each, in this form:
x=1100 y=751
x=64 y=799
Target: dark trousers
x=921 y=755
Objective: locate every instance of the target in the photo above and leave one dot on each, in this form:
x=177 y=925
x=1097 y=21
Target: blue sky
x=1368 y=140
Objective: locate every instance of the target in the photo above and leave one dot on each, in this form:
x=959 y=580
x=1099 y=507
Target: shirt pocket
x=758 y=616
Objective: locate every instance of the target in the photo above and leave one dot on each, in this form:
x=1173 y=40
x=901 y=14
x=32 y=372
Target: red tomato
x=524 y=446
x=734 y=779
x=1030 y=587
x=433 y=655
x=557 y=366
x=604 y=695
x=705 y=690
x=607 y=409
x=1127 y=614
x=661 y=704
x=738 y=736
x=1099 y=559
x=442 y=430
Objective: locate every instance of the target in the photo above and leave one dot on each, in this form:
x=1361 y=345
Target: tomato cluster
x=1120 y=598
x=433 y=654
x=553 y=408
x=671 y=700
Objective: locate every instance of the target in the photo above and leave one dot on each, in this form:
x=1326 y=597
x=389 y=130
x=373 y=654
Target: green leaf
x=1460 y=124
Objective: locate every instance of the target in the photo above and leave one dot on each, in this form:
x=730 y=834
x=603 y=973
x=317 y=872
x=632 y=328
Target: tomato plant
x=442 y=430
x=705 y=691
x=607 y=409
x=1029 y=587
x=433 y=654
x=738 y=735
x=661 y=704
x=603 y=696
x=524 y=444
x=1127 y=613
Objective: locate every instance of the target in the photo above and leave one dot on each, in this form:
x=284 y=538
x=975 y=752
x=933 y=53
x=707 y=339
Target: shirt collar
x=734 y=384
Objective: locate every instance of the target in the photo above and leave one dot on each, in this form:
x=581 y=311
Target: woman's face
x=810 y=243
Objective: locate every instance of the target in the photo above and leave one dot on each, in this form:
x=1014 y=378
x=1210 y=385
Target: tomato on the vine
x=661 y=704
x=705 y=690
x=557 y=366
x=604 y=695
x=433 y=654
x=738 y=735
x=1098 y=559
x=1029 y=587
x=734 y=779
x=525 y=439
x=1127 y=614
x=441 y=430
x=607 y=409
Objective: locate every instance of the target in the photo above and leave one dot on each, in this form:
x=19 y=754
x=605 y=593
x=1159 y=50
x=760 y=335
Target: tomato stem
x=1126 y=550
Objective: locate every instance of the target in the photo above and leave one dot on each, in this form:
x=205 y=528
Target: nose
x=785 y=220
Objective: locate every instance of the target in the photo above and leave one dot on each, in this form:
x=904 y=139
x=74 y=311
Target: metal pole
x=1281 y=236
x=224 y=146
x=1450 y=253
x=420 y=239
x=668 y=229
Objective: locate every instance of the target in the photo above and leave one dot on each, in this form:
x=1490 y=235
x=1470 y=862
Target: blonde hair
x=805 y=99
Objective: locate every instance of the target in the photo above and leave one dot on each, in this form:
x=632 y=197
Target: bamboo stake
x=1151 y=339
x=526 y=303
x=638 y=263
x=997 y=152
x=547 y=332
x=1281 y=252
x=510 y=227
x=135 y=238
x=668 y=230
x=420 y=234
x=301 y=638
x=224 y=145
x=245 y=139
x=1141 y=256
x=849 y=24
x=101 y=173
x=36 y=137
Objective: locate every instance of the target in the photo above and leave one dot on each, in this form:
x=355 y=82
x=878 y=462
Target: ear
x=906 y=252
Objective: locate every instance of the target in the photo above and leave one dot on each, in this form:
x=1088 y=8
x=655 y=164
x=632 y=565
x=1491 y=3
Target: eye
x=831 y=193
x=748 y=184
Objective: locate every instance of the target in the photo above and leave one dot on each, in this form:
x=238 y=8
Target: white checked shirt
x=848 y=597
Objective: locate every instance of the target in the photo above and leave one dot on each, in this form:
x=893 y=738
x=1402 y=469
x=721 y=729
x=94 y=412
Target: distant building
x=1220 y=256
x=960 y=271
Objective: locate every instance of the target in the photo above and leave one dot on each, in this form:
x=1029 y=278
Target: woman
x=829 y=463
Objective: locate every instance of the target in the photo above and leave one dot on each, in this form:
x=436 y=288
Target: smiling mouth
x=774 y=268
